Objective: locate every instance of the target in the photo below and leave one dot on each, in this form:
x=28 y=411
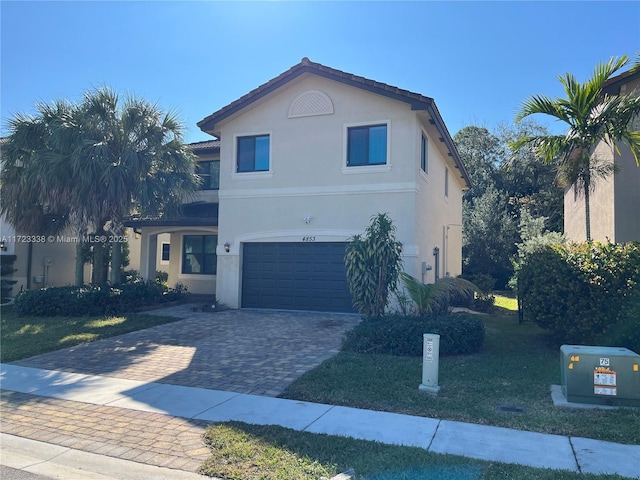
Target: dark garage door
x=295 y=276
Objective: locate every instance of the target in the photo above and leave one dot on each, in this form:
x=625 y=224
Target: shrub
x=577 y=291
x=95 y=299
x=626 y=331
x=66 y=301
x=402 y=336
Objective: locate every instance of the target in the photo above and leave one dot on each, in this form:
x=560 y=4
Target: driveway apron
x=246 y=351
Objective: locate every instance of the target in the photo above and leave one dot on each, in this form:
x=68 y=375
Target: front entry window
x=199 y=254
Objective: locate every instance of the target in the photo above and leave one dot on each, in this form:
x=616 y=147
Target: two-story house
x=303 y=163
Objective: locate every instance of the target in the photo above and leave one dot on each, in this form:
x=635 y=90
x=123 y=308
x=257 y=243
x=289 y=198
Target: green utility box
x=600 y=375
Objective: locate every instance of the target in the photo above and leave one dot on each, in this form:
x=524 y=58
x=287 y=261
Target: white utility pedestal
x=430 y=363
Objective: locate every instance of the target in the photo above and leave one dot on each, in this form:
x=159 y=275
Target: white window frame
x=424 y=151
x=162 y=261
x=357 y=169
x=235 y=175
x=446 y=181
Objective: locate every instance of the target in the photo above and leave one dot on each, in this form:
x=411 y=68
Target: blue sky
x=478 y=60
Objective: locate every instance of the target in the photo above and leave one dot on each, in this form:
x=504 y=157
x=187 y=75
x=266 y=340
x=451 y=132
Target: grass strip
x=23 y=337
x=240 y=451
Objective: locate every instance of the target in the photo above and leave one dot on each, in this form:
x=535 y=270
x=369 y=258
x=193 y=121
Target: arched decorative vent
x=313 y=102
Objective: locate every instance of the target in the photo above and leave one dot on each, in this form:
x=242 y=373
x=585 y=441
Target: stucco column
x=228 y=278
x=148 y=253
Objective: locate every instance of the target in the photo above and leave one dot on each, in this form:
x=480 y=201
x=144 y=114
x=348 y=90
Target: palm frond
x=435 y=297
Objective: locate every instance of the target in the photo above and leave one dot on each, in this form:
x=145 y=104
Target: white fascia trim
x=404 y=187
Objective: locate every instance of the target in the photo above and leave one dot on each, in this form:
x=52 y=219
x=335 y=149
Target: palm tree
x=34 y=196
x=592 y=117
x=96 y=163
x=432 y=298
x=137 y=161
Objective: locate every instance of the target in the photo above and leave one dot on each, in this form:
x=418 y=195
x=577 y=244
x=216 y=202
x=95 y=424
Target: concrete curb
x=63 y=463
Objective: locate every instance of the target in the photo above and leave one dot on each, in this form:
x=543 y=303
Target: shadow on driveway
x=246 y=351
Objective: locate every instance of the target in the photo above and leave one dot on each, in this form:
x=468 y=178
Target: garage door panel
x=300 y=276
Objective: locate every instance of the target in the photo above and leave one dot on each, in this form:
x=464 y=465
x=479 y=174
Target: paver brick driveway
x=247 y=351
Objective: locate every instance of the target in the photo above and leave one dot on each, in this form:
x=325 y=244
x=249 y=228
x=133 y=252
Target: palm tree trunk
x=79 y=272
x=587 y=215
x=116 y=256
x=99 y=254
x=587 y=208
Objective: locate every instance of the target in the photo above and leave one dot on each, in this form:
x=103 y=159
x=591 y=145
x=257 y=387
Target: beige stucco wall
x=53 y=260
x=308 y=177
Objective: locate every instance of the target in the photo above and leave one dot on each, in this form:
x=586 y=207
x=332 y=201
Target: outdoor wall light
x=227 y=247
x=399 y=246
x=3 y=246
x=307 y=219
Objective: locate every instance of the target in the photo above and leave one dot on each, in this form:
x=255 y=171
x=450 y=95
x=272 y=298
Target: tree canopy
x=505 y=183
x=91 y=164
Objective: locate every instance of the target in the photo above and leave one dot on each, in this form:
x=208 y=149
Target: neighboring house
x=303 y=163
x=614 y=201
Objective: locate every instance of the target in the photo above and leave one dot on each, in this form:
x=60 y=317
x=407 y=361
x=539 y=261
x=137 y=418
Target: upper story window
x=367 y=145
x=424 y=154
x=209 y=172
x=253 y=154
x=446 y=182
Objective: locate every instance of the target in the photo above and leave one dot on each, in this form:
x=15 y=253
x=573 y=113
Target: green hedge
x=625 y=332
x=577 y=291
x=94 y=299
x=402 y=335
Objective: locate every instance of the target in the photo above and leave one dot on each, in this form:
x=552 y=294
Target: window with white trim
x=199 y=254
x=166 y=252
x=424 y=154
x=367 y=145
x=252 y=154
x=446 y=182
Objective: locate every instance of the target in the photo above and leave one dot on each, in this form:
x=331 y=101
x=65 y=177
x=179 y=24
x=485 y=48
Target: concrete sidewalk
x=197 y=406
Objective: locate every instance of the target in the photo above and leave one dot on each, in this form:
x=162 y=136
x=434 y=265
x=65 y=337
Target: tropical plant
x=34 y=195
x=435 y=298
x=97 y=162
x=593 y=117
x=373 y=264
x=136 y=154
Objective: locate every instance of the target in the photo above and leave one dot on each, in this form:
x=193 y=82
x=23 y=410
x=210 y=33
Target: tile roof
x=416 y=100
x=205 y=145
x=612 y=86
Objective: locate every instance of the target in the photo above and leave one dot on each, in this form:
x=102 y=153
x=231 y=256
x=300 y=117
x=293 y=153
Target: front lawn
x=23 y=337
x=507 y=385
